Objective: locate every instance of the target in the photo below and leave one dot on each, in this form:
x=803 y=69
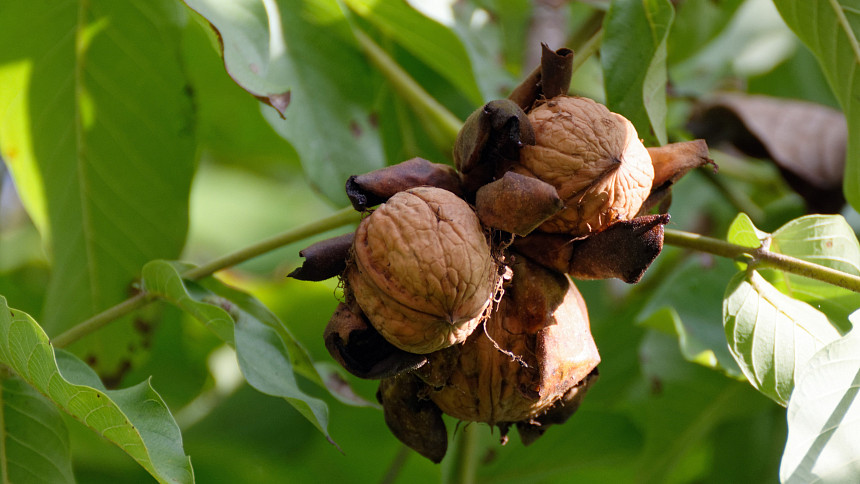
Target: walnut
x=422 y=271
x=594 y=159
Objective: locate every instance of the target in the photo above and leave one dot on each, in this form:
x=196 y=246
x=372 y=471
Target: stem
x=396 y=465
x=340 y=218
x=588 y=49
x=466 y=458
x=738 y=198
x=109 y=315
x=762 y=257
x=337 y=219
x=446 y=124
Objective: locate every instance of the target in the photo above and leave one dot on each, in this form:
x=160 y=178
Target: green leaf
x=770 y=334
x=697 y=22
x=432 y=43
x=300 y=57
x=34 y=441
x=826 y=240
x=230 y=127
x=831 y=30
x=267 y=354
x=829 y=241
x=687 y=306
x=824 y=417
x=162 y=279
x=633 y=55
x=251 y=308
x=135 y=419
x=677 y=417
x=743 y=232
x=97 y=130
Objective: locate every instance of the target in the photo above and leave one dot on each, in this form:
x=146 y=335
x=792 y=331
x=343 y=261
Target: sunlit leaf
x=267 y=355
x=300 y=57
x=831 y=29
x=824 y=417
x=770 y=334
x=829 y=241
x=743 y=232
x=35 y=441
x=633 y=54
x=97 y=128
x=825 y=240
x=135 y=419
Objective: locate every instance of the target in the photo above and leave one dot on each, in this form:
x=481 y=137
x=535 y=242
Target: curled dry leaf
x=671 y=162
x=422 y=270
x=550 y=79
x=806 y=140
x=530 y=430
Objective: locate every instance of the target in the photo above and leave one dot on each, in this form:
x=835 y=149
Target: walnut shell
x=422 y=270
x=537 y=346
x=594 y=159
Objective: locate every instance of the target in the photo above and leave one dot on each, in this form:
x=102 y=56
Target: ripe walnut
x=594 y=159
x=422 y=271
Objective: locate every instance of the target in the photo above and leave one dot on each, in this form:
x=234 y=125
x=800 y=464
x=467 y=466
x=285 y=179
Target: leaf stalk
x=761 y=257
x=337 y=219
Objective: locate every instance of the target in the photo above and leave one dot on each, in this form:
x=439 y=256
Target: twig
x=466 y=459
x=588 y=49
x=396 y=465
x=337 y=219
x=761 y=257
x=441 y=123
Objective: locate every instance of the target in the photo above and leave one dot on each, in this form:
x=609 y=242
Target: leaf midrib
x=81 y=180
x=839 y=10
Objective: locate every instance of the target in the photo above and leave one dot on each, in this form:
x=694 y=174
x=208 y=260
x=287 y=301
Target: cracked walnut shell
x=422 y=271
x=594 y=159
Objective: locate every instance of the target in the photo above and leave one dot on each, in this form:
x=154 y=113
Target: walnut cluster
x=458 y=294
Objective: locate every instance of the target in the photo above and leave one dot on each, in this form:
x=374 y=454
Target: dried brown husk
x=371 y=189
x=516 y=203
x=536 y=347
x=324 y=259
x=360 y=349
x=413 y=419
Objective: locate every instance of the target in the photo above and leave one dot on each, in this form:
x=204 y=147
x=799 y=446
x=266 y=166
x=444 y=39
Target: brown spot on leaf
x=113 y=380
x=355 y=129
